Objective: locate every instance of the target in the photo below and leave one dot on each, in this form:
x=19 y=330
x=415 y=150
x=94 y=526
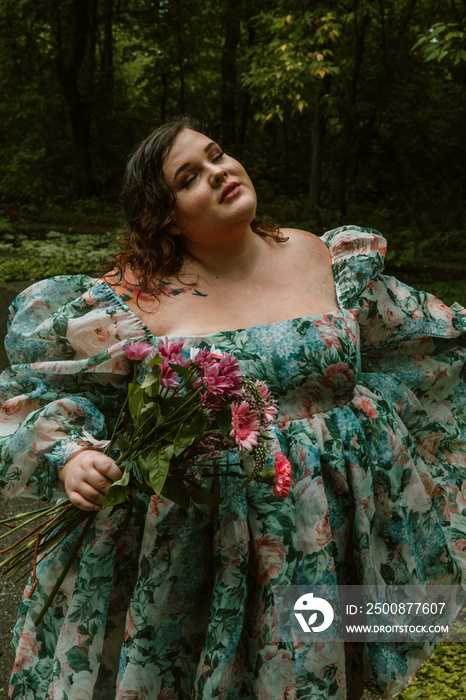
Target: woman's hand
x=87 y=475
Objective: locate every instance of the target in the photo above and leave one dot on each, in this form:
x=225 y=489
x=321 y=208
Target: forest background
x=347 y=111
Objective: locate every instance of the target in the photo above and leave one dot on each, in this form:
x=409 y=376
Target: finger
x=89 y=493
x=108 y=468
x=80 y=502
x=98 y=481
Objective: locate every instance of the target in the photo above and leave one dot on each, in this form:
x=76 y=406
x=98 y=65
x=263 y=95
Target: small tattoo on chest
x=172 y=291
x=132 y=294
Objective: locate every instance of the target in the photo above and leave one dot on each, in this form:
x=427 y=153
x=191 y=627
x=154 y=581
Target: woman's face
x=214 y=195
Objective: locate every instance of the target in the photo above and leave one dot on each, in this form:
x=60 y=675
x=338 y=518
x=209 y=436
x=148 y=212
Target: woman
x=367 y=373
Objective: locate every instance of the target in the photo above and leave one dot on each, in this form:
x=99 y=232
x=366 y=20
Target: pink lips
x=229 y=191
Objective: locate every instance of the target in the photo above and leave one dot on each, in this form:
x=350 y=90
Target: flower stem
x=66 y=568
x=35 y=516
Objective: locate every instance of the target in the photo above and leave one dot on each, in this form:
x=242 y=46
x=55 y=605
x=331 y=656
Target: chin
x=249 y=208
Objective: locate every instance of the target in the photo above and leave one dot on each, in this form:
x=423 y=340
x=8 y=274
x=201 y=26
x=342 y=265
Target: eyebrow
x=187 y=165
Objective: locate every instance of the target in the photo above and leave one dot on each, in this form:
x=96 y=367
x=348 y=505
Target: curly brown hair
x=146 y=246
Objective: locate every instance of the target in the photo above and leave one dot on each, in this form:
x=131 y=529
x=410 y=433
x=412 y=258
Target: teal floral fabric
x=173 y=605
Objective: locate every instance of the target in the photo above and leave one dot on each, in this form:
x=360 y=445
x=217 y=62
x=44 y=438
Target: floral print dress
x=172 y=605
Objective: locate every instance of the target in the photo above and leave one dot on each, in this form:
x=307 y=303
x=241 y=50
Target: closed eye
x=189 y=180
x=193 y=176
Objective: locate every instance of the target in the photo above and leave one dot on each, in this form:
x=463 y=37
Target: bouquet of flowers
x=170 y=439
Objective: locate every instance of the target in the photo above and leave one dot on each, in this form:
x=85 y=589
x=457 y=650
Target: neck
x=234 y=262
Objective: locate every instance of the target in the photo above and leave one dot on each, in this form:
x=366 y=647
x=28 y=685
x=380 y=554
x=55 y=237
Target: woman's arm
x=65 y=387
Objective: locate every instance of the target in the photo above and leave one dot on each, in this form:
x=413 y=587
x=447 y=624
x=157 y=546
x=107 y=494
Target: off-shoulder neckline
x=340 y=311
x=135 y=317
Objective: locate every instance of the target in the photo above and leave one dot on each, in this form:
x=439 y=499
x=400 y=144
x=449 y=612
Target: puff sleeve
x=65 y=340
x=413 y=346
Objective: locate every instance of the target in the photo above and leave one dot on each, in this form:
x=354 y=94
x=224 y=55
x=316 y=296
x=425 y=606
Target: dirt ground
x=10 y=592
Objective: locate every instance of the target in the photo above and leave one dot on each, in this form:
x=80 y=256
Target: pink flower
x=203 y=357
x=245 y=425
x=229 y=367
x=211 y=378
x=282 y=475
x=168 y=377
x=169 y=348
x=270 y=411
x=220 y=375
x=137 y=351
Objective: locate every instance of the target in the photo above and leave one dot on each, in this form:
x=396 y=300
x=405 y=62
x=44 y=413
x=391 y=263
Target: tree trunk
x=231 y=25
x=348 y=117
x=246 y=102
x=164 y=97
x=318 y=133
x=75 y=64
x=106 y=65
x=180 y=57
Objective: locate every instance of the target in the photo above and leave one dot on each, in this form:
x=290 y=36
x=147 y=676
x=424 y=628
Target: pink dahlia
x=168 y=377
x=137 y=351
x=202 y=357
x=212 y=379
x=282 y=475
x=170 y=348
x=245 y=425
x=220 y=375
x=229 y=367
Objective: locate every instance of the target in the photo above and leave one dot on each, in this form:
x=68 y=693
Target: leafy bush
x=442 y=678
x=58 y=254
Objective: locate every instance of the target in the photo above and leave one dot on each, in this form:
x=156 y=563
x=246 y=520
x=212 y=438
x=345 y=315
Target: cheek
x=194 y=206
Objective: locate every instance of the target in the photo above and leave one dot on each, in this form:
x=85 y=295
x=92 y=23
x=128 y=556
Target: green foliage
x=448 y=292
x=294 y=52
x=392 y=119
x=79 y=212
x=443 y=42
x=442 y=678
x=60 y=253
x=119 y=491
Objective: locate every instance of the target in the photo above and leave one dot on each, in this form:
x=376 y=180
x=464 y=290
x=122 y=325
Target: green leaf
x=177 y=492
x=123 y=442
x=151 y=384
x=187 y=434
x=154 y=410
x=135 y=400
x=155 y=467
x=118 y=491
x=184 y=372
x=157 y=360
x=223 y=418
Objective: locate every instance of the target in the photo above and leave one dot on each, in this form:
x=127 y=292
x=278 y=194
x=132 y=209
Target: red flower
x=282 y=475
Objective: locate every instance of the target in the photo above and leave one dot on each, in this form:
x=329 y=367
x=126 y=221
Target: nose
x=217 y=175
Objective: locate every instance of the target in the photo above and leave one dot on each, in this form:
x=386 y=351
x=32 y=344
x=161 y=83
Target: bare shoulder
x=308 y=245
